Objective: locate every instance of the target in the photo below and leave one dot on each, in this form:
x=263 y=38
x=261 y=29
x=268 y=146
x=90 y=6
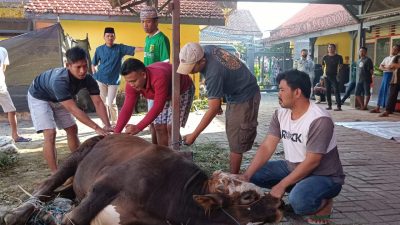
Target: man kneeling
x=312 y=171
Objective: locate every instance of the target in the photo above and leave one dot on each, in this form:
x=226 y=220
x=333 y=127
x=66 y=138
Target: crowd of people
x=311 y=172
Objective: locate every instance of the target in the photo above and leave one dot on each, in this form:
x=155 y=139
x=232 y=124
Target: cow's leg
x=44 y=193
x=103 y=193
x=66 y=170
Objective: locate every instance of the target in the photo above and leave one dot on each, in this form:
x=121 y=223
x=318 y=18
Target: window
x=382 y=49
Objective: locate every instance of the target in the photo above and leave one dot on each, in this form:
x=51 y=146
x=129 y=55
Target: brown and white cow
x=122 y=179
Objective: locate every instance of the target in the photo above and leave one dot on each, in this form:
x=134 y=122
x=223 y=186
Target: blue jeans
x=305 y=196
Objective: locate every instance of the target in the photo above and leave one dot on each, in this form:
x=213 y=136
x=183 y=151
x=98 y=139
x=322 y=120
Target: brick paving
x=371 y=194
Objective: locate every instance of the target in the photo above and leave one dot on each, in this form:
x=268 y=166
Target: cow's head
x=244 y=202
x=226 y=183
x=243 y=208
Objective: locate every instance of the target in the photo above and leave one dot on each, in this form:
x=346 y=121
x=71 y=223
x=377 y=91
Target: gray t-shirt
x=225 y=75
x=57 y=85
x=313 y=132
x=364 y=67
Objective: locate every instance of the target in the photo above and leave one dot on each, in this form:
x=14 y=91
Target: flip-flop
x=317 y=219
x=375 y=111
x=22 y=139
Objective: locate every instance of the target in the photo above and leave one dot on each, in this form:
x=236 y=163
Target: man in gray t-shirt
x=365 y=70
x=225 y=76
x=312 y=171
x=51 y=104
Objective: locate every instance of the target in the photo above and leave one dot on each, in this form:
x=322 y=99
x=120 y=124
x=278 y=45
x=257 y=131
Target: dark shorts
x=363 y=88
x=241 y=124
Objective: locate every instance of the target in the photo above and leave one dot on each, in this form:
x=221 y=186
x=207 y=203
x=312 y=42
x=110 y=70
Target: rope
x=51 y=212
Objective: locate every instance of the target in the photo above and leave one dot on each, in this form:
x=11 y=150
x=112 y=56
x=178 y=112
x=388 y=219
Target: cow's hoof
x=66 y=220
x=10 y=219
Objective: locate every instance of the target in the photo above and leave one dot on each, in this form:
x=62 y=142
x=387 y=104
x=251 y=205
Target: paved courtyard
x=371 y=194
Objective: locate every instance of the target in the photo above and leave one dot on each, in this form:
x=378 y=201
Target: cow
x=125 y=180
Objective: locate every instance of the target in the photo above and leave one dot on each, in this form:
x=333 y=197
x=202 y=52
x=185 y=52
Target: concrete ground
x=371 y=194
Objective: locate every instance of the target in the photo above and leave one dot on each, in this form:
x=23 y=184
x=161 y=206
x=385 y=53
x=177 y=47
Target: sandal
x=384 y=114
x=317 y=219
x=22 y=139
x=375 y=110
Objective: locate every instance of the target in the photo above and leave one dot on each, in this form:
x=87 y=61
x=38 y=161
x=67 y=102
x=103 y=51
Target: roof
x=192 y=11
x=240 y=26
x=312 y=18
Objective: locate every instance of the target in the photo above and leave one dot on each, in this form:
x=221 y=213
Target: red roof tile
x=189 y=8
x=314 y=17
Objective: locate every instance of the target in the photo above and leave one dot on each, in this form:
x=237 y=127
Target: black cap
x=109 y=30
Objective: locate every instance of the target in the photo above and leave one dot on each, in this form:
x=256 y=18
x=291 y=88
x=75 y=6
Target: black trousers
x=331 y=81
x=392 y=97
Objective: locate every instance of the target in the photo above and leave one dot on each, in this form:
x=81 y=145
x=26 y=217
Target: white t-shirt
x=388 y=60
x=3 y=62
x=314 y=132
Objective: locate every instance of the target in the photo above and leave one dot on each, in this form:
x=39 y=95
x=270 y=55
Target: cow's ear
x=209 y=201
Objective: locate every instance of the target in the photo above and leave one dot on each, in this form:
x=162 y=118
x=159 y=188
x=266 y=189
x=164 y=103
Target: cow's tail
x=68 y=168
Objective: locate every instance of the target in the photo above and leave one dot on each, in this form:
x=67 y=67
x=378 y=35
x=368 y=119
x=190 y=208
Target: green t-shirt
x=156 y=48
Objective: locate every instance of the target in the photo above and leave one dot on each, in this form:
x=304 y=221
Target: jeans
x=305 y=196
x=349 y=89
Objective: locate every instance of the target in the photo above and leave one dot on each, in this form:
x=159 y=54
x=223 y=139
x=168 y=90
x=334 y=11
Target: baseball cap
x=148 y=12
x=189 y=55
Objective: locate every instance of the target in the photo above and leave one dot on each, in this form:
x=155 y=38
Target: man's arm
x=340 y=65
x=101 y=110
x=214 y=106
x=71 y=106
x=305 y=168
x=264 y=153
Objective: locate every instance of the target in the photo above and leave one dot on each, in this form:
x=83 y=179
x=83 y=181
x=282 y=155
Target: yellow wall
x=14 y=12
x=342 y=42
x=128 y=33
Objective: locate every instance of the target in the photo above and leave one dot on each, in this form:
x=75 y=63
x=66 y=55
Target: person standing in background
x=305 y=65
x=331 y=63
x=365 y=72
x=156 y=49
x=5 y=98
x=387 y=77
x=106 y=65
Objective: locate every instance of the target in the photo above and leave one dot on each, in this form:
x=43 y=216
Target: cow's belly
x=107 y=216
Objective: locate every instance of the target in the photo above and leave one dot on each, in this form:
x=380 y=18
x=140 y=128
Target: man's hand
x=101 y=131
x=278 y=191
x=108 y=128
x=220 y=112
x=189 y=139
x=131 y=129
x=242 y=177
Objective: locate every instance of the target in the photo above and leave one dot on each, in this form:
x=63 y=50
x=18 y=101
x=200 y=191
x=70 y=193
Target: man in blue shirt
x=106 y=65
x=51 y=103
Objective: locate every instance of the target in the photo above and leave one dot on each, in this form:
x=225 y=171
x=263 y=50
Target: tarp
x=384 y=129
x=31 y=54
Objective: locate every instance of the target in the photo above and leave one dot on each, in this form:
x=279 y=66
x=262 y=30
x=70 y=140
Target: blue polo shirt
x=57 y=85
x=109 y=61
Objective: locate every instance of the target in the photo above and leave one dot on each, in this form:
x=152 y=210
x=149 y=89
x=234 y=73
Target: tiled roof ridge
x=189 y=8
x=312 y=24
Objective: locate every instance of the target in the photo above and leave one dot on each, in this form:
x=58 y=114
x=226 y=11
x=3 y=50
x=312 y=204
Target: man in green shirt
x=156 y=49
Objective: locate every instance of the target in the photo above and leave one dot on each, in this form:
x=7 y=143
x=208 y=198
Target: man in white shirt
x=5 y=99
x=311 y=172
